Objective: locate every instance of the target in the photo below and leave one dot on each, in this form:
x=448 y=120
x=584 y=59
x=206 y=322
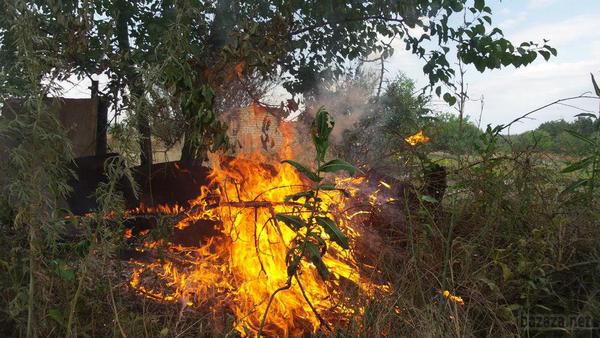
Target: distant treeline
x=448 y=134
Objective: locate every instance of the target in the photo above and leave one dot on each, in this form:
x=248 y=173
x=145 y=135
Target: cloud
x=538 y=4
x=575 y=29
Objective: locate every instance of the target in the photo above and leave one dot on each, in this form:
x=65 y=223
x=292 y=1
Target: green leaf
x=333 y=231
x=327 y=187
x=321 y=129
x=596 y=88
x=506 y=271
x=337 y=165
x=294 y=263
x=479 y=5
x=299 y=195
x=545 y=54
x=427 y=198
x=301 y=168
x=575 y=185
x=57 y=315
x=581 y=137
x=294 y=222
x=450 y=99
x=590 y=115
x=315 y=257
x=586 y=162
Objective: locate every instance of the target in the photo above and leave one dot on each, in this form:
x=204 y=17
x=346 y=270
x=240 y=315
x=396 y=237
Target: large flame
x=240 y=270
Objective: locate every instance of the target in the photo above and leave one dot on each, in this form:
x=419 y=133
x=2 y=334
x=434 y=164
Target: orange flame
x=243 y=267
x=417 y=138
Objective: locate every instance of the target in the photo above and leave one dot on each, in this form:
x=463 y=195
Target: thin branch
x=526 y=115
x=321 y=320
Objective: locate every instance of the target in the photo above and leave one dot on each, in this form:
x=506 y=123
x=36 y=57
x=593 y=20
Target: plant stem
x=288 y=284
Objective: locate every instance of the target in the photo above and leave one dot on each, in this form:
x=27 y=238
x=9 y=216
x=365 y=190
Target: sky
x=572 y=27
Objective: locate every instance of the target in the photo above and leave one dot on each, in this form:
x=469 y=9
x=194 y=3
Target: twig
x=582 y=96
x=114 y=307
x=288 y=284
x=256 y=243
x=321 y=320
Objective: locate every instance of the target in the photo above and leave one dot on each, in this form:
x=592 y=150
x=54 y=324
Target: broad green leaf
x=330 y=187
x=479 y=5
x=575 y=185
x=427 y=198
x=294 y=263
x=506 y=271
x=315 y=257
x=57 y=315
x=321 y=129
x=590 y=115
x=596 y=88
x=451 y=99
x=578 y=165
x=333 y=231
x=299 y=195
x=294 y=222
x=304 y=170
x=581 y=137
x=337 y=165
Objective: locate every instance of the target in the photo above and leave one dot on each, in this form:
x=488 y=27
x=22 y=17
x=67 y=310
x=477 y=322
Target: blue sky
x=573 y=27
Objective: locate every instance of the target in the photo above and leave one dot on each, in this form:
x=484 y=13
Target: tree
x=379 y=135
x=451 y=134
x=192 y=51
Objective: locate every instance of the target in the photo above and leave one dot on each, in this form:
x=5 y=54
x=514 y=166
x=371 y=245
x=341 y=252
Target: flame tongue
x=241 y=269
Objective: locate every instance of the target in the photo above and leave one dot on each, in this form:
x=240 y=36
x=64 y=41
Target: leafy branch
x=310 y=221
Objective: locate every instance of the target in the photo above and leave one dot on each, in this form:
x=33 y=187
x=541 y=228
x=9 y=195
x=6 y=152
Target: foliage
x=590 y=164
x=378 y=136
x=193 y=51
x=556 y=136
x=449 y=134
x=310 y=221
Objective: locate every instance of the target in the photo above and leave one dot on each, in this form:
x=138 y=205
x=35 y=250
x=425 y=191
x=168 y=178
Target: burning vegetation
x=284 y=258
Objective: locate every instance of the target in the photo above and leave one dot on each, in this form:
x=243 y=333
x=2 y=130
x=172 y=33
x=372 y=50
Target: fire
x=417 y=138
x=241 y=269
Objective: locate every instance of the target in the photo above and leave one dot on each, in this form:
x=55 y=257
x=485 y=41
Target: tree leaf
x=304 y=170
x=427 y=198
x=294 y=222
x=337 y=165
x=451 y=99
x=573 y=186
x=590 y=115
x=333 y=231
x=578 y=165
x=321 y=129
x=315 y=257
x=479 y=5
x=299 y=195
x=596 y=88
x=581 y=137
x=57 y=316
x=506 y=271
x=294 y=263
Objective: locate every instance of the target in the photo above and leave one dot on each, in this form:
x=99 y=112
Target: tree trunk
x=224 y=22
x=136 y=89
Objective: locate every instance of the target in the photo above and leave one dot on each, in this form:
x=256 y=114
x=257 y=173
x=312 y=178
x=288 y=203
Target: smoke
x=348 y=100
